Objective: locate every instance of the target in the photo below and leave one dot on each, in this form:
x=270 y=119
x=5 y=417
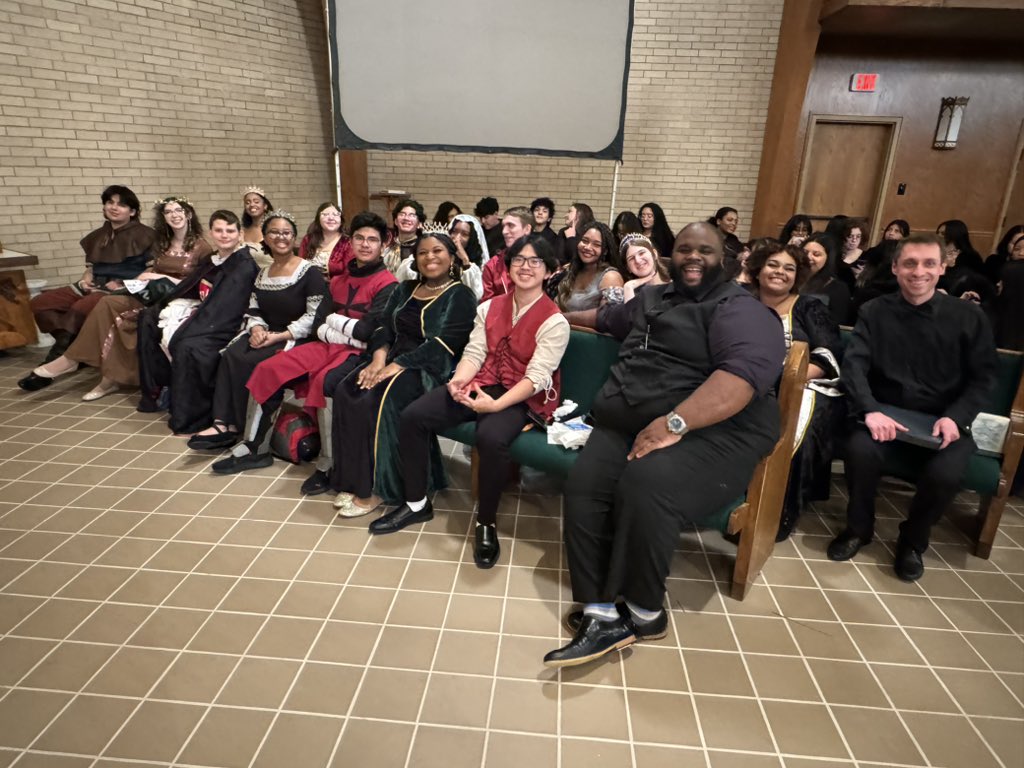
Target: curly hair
x=609 y=258
x=455 y=272
x=759 y=257
x=164 y=233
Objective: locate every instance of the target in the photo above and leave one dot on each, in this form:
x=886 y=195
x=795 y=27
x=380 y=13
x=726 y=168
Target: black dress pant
x=623 y=518
x=941 y=473
x=437 y=411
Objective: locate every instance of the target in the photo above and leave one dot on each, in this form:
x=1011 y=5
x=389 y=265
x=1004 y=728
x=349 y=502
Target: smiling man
x=686 y=414
x=919 y=350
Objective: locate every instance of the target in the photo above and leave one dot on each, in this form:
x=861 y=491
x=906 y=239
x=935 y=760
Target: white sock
x=416 y=506
x=240 y=450
x=602 y=611
x=639 y=613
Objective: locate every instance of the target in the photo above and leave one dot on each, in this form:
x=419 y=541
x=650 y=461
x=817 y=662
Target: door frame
x=894 y=121
x=1004 y=208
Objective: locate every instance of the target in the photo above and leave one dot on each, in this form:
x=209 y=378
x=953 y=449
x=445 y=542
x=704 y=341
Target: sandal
x=221 y=438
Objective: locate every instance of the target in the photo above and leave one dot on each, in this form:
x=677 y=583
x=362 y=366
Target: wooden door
x=845 y=168
x=1013 y=201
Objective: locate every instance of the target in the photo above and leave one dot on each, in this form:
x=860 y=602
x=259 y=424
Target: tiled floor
x=154 y=615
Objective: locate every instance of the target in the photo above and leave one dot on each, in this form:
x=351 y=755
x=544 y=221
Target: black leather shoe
x=34 y=382
x=655 y=629
x=594 y=639
x=234 y=464
x=487 y=549
x=316 y=484
x=909 y=565
x=845 y=545
x=217 y=442
x=400 y=518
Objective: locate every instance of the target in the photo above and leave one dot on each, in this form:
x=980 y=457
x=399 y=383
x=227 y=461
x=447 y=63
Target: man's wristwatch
x=675 y=424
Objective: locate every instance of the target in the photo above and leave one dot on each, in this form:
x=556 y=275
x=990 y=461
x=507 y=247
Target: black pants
x=623 y=518
x=938 y=482
x=437 y=411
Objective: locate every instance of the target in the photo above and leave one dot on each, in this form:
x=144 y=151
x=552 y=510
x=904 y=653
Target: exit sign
x=863 y=82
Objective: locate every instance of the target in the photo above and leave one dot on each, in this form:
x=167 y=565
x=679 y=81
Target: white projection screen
x=529 y=77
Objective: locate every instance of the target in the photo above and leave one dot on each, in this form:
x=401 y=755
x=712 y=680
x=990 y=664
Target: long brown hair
x=315 y=231
x=608 y=258
x=164 y=233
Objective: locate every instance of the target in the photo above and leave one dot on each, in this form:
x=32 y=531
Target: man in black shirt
x=921 y=350
x=686 y=414
x=487 y=211
x=543 y=210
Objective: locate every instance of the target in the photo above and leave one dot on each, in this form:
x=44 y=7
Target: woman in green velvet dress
x=425 y=326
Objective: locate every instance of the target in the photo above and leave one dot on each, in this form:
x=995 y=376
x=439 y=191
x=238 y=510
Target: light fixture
x=950 y=116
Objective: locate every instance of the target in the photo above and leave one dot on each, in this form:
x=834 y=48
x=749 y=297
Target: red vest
x=352 y=295
x=510 y=348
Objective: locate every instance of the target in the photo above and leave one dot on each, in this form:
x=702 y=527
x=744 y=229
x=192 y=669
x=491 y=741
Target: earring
x=451 y=271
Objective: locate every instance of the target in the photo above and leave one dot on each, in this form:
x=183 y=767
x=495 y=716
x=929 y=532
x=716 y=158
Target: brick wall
x=195 y=97
x=699 y=82
x=203 y=98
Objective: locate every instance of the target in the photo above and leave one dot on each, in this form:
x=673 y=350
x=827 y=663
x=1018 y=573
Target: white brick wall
x=167 y=96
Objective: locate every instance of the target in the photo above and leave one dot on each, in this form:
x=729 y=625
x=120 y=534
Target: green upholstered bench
x=990 y=477
x=585 y=366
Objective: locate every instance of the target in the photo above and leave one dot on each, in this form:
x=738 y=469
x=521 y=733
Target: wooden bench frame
x=756 y=520
x=990 y=509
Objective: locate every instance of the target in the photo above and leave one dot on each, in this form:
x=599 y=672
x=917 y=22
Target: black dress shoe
x=316 y=484
x=909 y=565
x=400 y=518
x=487 y=549
x=655 y=629
x=217 y=442
x=845 y=545
x=33 y=382
x=234 y=464
x=594 y=639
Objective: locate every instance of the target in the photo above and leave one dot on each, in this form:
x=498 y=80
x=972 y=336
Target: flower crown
x=254 y=189
x=279 y=214
x=433 y=228
x=172 y=199
x=635 y=238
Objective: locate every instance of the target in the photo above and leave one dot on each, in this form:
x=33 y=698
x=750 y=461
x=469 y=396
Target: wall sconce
x=950 y=116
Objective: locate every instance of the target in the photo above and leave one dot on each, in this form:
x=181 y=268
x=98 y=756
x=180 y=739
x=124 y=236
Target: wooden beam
x=780 y=155
x=355 y=184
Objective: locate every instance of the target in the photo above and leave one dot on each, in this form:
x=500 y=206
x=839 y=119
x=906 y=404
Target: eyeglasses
x=407 y=216
x=532 y=261
x=173 y=211
x=280 y=234
x=359 y=239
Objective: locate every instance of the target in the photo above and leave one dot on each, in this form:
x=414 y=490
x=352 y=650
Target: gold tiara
x=258 y=190
x=433 y=228
x=280 y=215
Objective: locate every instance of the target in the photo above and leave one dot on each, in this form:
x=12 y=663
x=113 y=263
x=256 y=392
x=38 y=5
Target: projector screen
x=530 y=77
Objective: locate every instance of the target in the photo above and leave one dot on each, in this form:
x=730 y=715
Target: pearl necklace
x=436 y=288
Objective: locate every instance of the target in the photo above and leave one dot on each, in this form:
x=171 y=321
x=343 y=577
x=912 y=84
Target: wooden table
x=17 y=326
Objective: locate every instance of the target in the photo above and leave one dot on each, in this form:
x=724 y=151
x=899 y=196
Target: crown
x=433 y=228
x=635 y=238
x=258 y=190
x=279 y=214
x=171 y=199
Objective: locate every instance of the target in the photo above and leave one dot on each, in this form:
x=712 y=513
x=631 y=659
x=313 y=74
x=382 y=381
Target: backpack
x=296 y=437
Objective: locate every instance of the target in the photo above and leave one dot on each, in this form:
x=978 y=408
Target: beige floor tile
x=299 y=741
x=594 y=712
x=373 y=571
x=513 y=750
x=824 y=639
x=949 y=741
x=387 y=742
x=251 y=595
x=804 y=729
x=656 y=668
x=194 y=677
x=945 y=648
x=24 y=714
x=457 y=700
x=345 y=642
x=308 y=600
x=285 y=638
x=406 y=647
x=1001 y=652
x=876 y=734
x=35 y=545
x=69 y=666
x=390 y=694
x=200 y=591
x=471 y=580
x=981 y=693
x=741 y=760
x=86 y=725
x=721 y=673
x=156 y=731
x=858 y=607
x=846 y=682
x=477 y=613
x=364 y=604
x=325 y=689
x=1003 y=737
x=466 y=652
x=435 y=747
x=730 y=723
x=419 y=609
x=50 y=760
x=131 y=672
x=226 y=633
x=764 y=635
x=327 y=567
x=915 y=688
x=779 y=677
x=169 y=628
x=883 y=644
x=43 y=579
x=259 y=683
x=19 y=655
x=55 y=618
x=111 y=623
x=208 y=745
x=525 y=705
x=589 y=753
x=148 y=587
x=666 y=718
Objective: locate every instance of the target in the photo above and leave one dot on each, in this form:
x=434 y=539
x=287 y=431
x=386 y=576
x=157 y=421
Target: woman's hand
x=458 y=386
x=463 y=256
x=374 y=374
x=260 y=337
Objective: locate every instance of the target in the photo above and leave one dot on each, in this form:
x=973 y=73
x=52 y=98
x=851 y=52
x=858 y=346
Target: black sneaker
x=316 y=484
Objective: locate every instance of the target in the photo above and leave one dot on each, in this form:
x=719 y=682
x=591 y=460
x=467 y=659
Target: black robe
x=197 y=343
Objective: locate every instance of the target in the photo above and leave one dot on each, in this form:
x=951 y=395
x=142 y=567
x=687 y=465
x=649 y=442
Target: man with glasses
x=408 y=214
x=516 y=223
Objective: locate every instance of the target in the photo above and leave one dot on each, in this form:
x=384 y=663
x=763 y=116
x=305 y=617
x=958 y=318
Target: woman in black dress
x=822 y=283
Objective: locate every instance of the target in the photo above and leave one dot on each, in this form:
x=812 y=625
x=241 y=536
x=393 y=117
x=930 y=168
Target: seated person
x=921 y=350
x=822 y=283
x=486 y=210
x=679 y=427
x=516 y=223
x=543 y=211
x=507 y=377
x=180 y=338
x=642 y=262
x=592 y=278
x=777 y=271
x=286 y=299
x=117 y=251
x=468 y=236
x=255 y=205
x=359 y=296
x=108 y=337
x=422 y=332
x=407 y=216
x=325 y=243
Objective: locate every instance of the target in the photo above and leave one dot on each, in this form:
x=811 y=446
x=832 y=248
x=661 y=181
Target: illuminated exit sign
x=863 y=82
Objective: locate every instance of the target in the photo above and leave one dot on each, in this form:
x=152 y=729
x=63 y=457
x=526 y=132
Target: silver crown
x=254 y=189
x=635 y=238
x=279 y=214
x=433 y=228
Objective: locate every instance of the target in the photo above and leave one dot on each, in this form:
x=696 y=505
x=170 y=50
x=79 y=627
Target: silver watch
x=675 y=423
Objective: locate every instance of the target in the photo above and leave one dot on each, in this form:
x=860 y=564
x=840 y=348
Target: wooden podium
x=17 y=326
